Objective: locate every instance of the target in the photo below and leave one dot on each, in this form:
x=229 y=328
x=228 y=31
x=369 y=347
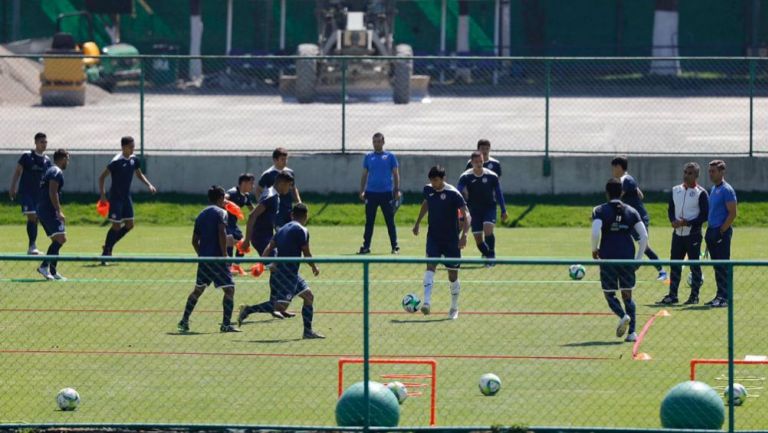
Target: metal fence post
x=731 y=406
x=141 y=116
x=547 y=167
x=344 y=117
x=751 y=104
x=366 y=346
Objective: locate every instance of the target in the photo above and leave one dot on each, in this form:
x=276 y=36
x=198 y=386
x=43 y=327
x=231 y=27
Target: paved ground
x=220 y=123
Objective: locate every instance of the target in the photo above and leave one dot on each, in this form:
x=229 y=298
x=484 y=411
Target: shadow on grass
x=436 y=320
x=515 y=222
x=594 y=343
x=275 y=341
x=177 y=333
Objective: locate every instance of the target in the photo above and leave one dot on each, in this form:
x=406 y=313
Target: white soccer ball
x=68 y=399
x=576 y=272
x=690 y=279
x=411 y=303
x=490 y=384
x=739 y=394
x=400 y=391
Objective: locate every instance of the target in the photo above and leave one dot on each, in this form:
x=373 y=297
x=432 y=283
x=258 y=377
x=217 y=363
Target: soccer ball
x=576 y=272
x=399 y=390
x=68 y=399
x=490 y=384
x=739 y=394
x=411 y=303
x=690 y=279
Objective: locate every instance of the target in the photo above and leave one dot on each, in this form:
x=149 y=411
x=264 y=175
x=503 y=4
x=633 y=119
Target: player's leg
x=389 y=217
x=693 y=250
x=228 y=304
x=489 y=222
x=432 y=251
x=127 y=217
x=452 y=251
x=307 y=310
x=476 y=224
x=56 y=231
x=677 y=252
x=610 y=284
x=57 y=241
x=32 y=232
x=198 y=290
x=719 y=245
x=276 y=286
x=371 y=205
x=626 y=285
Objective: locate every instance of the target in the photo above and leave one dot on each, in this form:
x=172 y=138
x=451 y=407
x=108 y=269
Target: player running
x=443 y=202
x=241 y=196
x=51 y=215
x=29 y=171
x=267 y=179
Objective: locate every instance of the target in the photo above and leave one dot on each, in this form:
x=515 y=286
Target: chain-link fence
x=117 y=335
x=429 y=104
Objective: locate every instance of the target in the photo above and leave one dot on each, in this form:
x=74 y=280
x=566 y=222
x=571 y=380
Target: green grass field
x=110 y=333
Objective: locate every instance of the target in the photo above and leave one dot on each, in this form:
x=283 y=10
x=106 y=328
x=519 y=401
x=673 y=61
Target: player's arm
x=642 y=243
x=102 y=178
x=308 y=254
x=268 y=250
x=223 y=239
x=363 y=181
x=640 y=193
x=145 y=181
x=465 y=228
x=53 y=194
x=671 y=211
x=597 y=226
x=295 y=193
x=703 y=210
x=196 y=242
x=500 y=199
x=396 y=182
x=258 y=210
x=15 y=181
x=462 y=188
x=732 y=212
x=422 y=212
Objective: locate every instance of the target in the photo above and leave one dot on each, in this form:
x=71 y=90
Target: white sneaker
x=631 y=337
x=621 y=329
x=33 y=251
x=453 y=313
x=425 y=309
x=45 y=272
x=59 y=277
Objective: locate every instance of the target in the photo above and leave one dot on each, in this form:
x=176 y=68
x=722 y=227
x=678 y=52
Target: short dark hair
x=378 y=135
x=245 y=177
x=694 y=166
x=126 y=140
x=476 y=154
x=40 y=136
x=280 y=151
x=299 y=210
x=60 y=154
x=622 y=161
x=215 y=193
x=436 y=171
x=284 y=177
x=483 y=142
x=613 y=188
x=719 y=163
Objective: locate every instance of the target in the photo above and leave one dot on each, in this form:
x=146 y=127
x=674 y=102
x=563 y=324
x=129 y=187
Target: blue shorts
x=216 y=273
x=28 y=203
x=260 y=241
x=284 y=286
x=617 y=277
x=444 y=249
x=120 y=209
x=235 y=232
x=52 y=225
x=480 y=217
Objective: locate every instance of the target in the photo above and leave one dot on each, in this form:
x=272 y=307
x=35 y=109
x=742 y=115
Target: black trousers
x=719 y=246
x=683 y=246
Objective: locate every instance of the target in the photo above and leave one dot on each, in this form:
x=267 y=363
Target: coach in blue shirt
x=722 y=213
x=380 y=187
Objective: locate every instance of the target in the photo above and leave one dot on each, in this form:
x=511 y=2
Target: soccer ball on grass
x=739 y=394
x=490 y=384
x=576 y=272
x=400 y=391
x=411 y=303
x=68 y=399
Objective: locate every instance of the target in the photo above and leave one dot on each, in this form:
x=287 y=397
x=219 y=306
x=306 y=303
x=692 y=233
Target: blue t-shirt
x=443 y=209
x=265 y=223
x=492 y=164
x=240 y=199
x=267 y=180
x=379 y=166
x=632 y=197
x=207 y=228
x=34 y=166
x=618 y=219
x=718 y=197
x=53 y=173
x=121 y=169
x=484 y=191
x=289 y=241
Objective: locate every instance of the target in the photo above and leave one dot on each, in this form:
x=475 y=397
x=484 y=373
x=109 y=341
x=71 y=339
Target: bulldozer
x=355 y=28
x=64 y=75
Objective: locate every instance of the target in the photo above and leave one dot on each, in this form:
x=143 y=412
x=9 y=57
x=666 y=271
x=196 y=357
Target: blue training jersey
x=443 y=209
x=492 y=164
x=631 y=196
x=240 y=199
x=54 y=173
x=484 y=191
x=289 y=241
x=267 y=180
x=380 y=166
x=34 y=166
x=121 y=169
x=265 y=223
x=618 y=219
x=207 y=228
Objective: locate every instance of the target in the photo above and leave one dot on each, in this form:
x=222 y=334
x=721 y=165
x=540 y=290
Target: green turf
x=110 y=333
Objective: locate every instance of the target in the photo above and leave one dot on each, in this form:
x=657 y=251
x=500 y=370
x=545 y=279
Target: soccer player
x=267 y=179
x=209 y=239
x=121 y=168
x=633 y=196
x=30 y=169
x=262 y=221
x=482 y=189
x=443 y=202
x=722 y=213
x=380 y=187
x=241 y=196
x=612 y=225
x=285 y=283
x=687 y=209
x=50 y=214
x=484 y=147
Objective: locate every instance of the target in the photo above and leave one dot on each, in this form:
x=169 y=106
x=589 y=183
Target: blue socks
x=307 y=311
x=615 y=304
x=491 y=241
x=53 y=250
x=630 y=306
x=32 y=232
x=228 y=304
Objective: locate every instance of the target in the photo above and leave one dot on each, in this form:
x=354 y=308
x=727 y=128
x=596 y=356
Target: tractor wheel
x=306 y=73
x=401 y=83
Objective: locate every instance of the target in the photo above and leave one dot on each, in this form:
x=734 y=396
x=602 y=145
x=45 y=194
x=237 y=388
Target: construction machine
x=363 y=28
